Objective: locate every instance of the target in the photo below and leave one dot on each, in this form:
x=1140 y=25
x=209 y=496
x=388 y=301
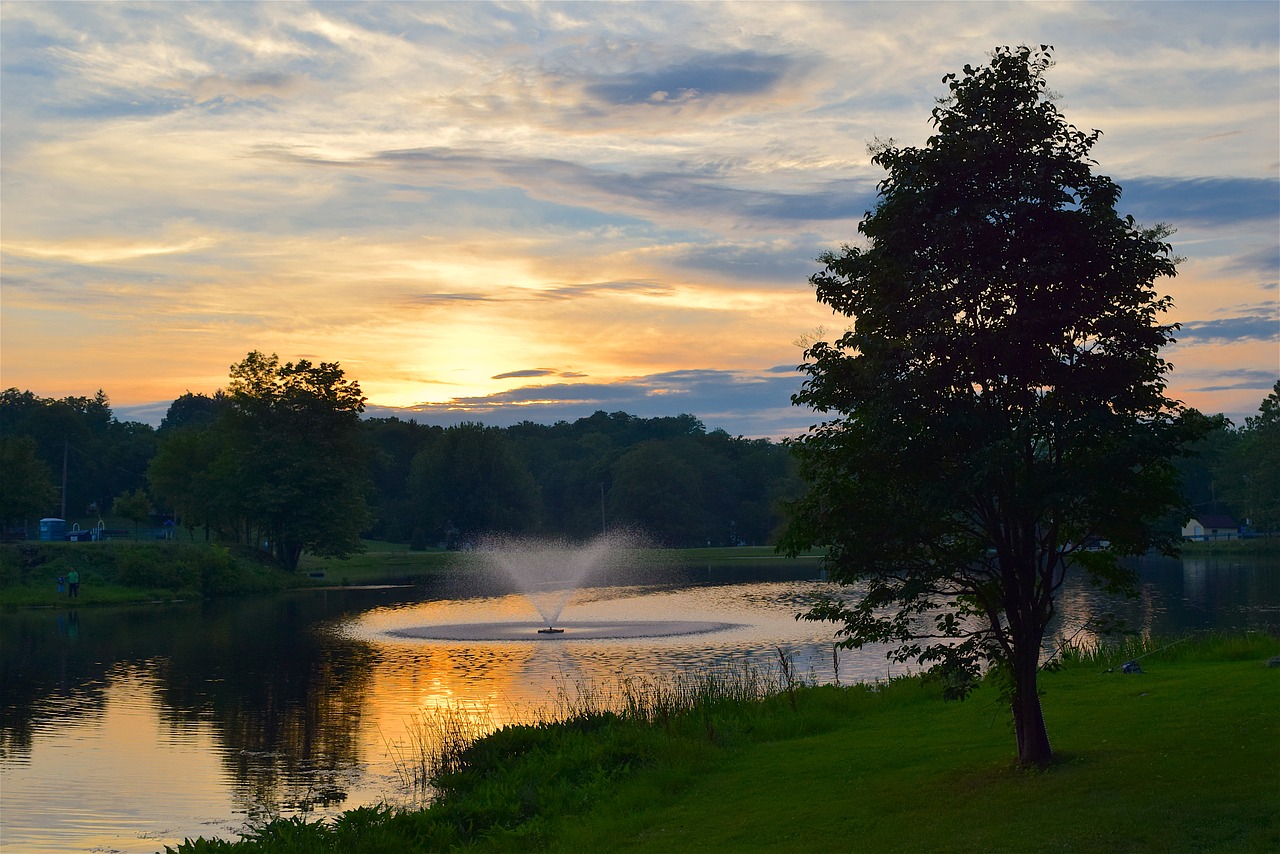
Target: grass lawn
x=1182 y=758
x=394 y=562
x=1255 y=547
x=380 y=562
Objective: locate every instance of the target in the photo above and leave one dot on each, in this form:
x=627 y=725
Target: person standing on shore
x=73 y=584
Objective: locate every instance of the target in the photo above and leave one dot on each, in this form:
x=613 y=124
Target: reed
x=434 y=743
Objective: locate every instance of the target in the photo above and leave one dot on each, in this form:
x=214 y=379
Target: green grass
x=394 y=562
x=120 y=572
x=737 y=555
x=380 y=562
x=1183 y=757
x=1269 y=546
x=124 y=571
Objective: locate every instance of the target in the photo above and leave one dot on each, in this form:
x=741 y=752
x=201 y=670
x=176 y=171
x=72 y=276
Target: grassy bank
x=120 y=572
x=1182 y=757
x=392 y=562
x=1255 y=546
x=379 y=563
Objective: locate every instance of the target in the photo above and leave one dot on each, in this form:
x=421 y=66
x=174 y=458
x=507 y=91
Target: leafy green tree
x=101 y=455
x=293 y=471
x=997 y=408
x=134 y=506
x=192 y=411
x=1203 y=469
x=659 y=491
x=394 y=443
x=27 y=488
x=470 y=482
x=183 y=479
x=1250 y=469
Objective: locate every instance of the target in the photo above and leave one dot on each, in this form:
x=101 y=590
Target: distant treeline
x=282 y=459
x=427 y=485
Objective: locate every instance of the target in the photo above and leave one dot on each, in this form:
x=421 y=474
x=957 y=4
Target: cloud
x=754 y=404
x=701 y=76
x=782 y=260
x=532 y=372
x=1249 y=327
x=1200 y=201
x=437 y=194
x=661 y=194
x=274 y=84
x=445 y=298
x=1265 y=261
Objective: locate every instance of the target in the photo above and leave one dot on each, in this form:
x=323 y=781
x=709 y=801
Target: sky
x=501 y=212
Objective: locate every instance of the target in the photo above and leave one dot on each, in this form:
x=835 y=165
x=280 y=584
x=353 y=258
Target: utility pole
x=64 y=480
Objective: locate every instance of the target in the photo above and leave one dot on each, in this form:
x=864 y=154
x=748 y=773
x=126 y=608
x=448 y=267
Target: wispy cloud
x=1263 y=326
x=1214 y=202
x=692 y=77
x=630 y=196
x=755 y=404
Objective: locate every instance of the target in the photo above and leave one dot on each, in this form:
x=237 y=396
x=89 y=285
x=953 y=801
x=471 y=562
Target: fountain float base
x=567 y=630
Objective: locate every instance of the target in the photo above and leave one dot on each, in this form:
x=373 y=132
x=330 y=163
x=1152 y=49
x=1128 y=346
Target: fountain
x=548 y=573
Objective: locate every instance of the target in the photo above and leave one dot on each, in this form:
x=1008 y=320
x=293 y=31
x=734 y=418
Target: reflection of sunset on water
x=190 y=718
x=130 y=734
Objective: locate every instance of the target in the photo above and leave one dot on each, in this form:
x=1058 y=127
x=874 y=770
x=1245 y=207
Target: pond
x=127 y=729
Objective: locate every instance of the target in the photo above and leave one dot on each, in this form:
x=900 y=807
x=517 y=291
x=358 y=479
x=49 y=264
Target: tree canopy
x=28 y=490
x=997 y=409
x=279 y=460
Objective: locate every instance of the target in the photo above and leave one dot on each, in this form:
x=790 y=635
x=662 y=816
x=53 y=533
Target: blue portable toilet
x=53 y=529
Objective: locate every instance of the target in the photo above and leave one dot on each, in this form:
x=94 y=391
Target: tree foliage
x=133 y=505
x=279 y=461
x=103 y=456
x=226 y=464
x=997 y=408
x=471 y=482
x=1250 y=472
x=27 y=489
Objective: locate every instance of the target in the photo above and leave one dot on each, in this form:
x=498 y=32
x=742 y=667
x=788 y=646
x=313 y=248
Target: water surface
x=127 y=729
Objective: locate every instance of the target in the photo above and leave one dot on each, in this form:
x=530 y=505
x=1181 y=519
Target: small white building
x=1211 y=526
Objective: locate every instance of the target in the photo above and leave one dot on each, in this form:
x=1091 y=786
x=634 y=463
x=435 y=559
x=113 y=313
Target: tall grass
x=435 y=741
x=1200 y=646
x=440 y=742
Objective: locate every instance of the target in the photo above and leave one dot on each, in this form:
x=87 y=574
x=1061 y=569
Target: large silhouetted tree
x=998 y=409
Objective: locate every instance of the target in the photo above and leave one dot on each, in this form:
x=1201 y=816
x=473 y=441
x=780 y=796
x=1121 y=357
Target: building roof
x=1215 y=520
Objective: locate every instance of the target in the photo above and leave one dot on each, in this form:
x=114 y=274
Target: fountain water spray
x=550 y=572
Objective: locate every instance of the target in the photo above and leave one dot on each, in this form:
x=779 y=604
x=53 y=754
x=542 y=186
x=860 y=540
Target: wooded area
x=282 y=457
x=682 y=482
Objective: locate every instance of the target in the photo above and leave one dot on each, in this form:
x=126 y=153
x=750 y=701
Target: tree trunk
x=1028 y=718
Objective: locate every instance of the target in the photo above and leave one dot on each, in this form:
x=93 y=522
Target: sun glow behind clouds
x=441 y=196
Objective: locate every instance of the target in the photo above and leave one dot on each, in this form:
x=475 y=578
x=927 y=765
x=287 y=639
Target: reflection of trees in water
x=1174 y=597
x=54 y=668
x=284 y=699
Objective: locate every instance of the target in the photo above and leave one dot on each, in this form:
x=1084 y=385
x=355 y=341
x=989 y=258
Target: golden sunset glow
x=538 y=211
